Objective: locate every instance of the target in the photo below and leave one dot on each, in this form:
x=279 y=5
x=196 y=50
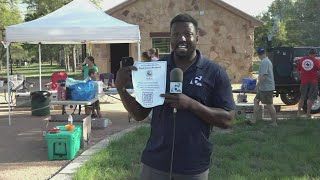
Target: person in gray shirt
x=265 y=88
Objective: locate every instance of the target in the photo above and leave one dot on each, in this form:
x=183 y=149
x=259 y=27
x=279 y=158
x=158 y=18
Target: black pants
x=149 y=173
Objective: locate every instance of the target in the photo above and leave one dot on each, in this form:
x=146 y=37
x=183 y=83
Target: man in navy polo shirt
x=206 y=101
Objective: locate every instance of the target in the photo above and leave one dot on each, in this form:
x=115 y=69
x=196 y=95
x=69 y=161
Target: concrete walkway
x=23 y=149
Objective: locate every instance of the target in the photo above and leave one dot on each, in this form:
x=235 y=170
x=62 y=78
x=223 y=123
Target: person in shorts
x=308 y=68
x=265 y=88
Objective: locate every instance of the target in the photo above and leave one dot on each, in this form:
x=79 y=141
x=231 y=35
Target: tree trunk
x=74 y=64
x=66 y=60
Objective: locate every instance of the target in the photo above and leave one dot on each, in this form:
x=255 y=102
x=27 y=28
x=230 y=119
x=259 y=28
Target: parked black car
x=287 y=80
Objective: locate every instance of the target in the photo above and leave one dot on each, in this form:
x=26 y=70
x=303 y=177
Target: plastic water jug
x=70 y=119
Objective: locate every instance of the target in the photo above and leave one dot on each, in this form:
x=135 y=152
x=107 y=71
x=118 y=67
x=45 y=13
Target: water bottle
x=70 y=119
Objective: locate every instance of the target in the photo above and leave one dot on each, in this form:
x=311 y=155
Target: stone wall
x=101 y=54
x=224 y=36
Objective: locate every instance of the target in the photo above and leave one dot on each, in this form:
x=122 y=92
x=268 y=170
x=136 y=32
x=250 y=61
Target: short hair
x=146 y=55
x=90 y=58
x=154 y=52
x=184 y=18
x=313 y=51
x=91 y=71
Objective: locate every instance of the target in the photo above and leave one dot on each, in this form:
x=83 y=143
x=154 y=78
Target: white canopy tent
x=78 y=22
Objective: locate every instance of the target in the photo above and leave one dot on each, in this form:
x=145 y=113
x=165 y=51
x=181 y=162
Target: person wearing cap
x=265 y=88
x=308 y=67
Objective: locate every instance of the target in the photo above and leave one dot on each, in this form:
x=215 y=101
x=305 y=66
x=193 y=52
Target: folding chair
x=55 y=77
x=107 y=79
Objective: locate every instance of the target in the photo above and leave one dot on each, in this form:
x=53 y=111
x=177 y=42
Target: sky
x=252 y=7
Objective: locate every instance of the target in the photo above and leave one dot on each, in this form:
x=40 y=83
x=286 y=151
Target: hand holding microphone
x=176 y=98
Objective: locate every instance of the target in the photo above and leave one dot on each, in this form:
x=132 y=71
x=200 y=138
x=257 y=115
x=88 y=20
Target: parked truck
x=287 y=80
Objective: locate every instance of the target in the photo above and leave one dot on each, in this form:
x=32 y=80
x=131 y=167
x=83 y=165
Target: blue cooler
x=248 y=84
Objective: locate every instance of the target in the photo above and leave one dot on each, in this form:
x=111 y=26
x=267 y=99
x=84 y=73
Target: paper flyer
x=149 y=81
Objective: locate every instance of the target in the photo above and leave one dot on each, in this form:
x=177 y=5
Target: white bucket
x=1 y=83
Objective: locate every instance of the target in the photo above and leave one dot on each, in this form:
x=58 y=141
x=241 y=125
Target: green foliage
x=32 y=71
x=292 y=22
x=37 y=8
x=10 y=15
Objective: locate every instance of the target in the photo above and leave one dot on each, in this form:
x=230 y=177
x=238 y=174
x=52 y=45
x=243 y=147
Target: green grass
x=119 y=161
x=290 y=152
x=33 y=70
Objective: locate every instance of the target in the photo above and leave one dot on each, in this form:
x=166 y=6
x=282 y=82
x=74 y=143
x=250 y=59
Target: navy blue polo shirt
x=206 y=82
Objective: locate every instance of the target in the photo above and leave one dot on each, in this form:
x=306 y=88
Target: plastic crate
x=63 y=145
x=248 y=84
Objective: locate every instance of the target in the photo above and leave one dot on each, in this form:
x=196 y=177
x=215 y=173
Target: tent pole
x=139 y=50
x=8 y=82
x=40 y=66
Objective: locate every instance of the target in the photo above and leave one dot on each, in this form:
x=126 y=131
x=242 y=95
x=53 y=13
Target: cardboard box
x=246 y=110
x=79 y=120
x=100 y=123
x=98 y=86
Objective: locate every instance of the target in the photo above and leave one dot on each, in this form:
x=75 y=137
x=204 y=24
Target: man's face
x=184 y=38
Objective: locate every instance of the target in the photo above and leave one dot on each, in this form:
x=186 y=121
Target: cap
x=260 y=51
x=313 y=51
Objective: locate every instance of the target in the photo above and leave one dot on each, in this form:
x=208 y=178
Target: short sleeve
x=96 y=68
x=264 y=68
x=223 y=97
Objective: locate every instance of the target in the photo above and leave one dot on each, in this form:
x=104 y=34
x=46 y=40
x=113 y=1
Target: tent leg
x=40 y=66
x=139 y=50
x=8 y=83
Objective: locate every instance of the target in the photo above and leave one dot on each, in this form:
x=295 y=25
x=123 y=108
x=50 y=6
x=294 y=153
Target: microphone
x=176 y=78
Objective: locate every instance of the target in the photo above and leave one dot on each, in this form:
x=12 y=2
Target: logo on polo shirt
x=196 y=81
x=307 y=64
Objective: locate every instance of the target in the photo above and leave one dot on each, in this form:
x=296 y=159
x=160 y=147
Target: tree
x=10 y=15
x=298 y=23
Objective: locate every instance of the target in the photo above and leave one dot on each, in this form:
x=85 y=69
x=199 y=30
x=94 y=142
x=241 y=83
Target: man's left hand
x=179 y=101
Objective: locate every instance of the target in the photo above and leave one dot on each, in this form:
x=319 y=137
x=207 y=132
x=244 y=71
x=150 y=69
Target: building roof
x=255 y=22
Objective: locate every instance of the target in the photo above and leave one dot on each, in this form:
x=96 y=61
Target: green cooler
x=65 y=144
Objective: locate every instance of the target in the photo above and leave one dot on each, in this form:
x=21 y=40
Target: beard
x=185 y=54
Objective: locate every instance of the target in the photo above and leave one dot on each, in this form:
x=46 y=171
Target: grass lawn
x=33 y=70
x=290 y=151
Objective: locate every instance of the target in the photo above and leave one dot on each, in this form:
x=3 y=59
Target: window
x=163 y=44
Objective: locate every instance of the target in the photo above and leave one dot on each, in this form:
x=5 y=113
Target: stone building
x=226 y=33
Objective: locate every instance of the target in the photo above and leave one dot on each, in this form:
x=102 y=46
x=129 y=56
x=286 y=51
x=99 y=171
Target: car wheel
x=290 y=98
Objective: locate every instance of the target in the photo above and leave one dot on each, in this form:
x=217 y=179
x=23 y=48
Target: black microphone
x=176 y=78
